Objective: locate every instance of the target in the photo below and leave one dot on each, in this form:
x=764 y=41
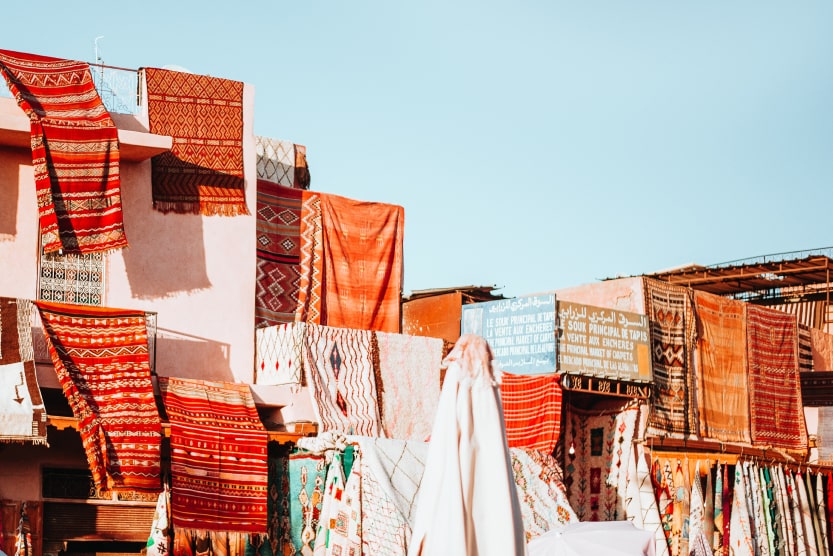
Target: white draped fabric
x=467 y=503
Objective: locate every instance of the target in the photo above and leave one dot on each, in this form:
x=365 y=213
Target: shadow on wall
x=185 y=355
x=166 y=252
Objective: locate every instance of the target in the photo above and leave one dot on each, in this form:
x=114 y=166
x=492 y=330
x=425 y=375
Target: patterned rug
x=408 y=370
x=203 y=172
x=279 y=354
x=275 y=161
x=278 y=253
x=282 y=162
x=602 y=445
x=723 y=390
x=672 y=333
x=532 y=409
x=776 y=411
x=541 y=492
x=218 y=456
x=75 y=152
x=307 y=473
x=640 y=501
x=101 y=357
x=312 y=260
x=391 y=472
x=339 y=373
x=22 y=413
x=362 y=246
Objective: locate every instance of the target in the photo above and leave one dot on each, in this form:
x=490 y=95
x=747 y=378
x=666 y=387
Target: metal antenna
x=97 y=55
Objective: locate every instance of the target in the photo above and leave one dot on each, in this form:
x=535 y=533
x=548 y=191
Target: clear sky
x=534 y=145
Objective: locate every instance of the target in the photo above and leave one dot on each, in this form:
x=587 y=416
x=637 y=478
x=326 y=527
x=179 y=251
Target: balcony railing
x=117 y=87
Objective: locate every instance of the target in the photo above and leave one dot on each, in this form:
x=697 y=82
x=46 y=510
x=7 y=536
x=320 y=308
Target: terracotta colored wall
x=436 y=316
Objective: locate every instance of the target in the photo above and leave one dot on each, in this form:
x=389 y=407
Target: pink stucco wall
x=196 y=272
x=622 y=294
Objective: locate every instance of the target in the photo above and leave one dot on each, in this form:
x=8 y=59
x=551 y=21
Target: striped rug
x=75 y=152
x=532 y=409
x=218 y=456
x=101 y=357
x=777 y=415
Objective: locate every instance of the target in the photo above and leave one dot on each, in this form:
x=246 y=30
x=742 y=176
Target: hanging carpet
x=278 y=354
x=339 y=373
x=275 y=161
x=101 y=357
x=408 y=369
x=312 y=260
x=722 y=385
x=75 y=152
x=362 y=246
x=203 y=171
x=532 y=408
x=22 y=413
x=672 y=334
x=602 y=445
x=776 y=411
x=541 y=492
x=278 y=253
x=218 y=456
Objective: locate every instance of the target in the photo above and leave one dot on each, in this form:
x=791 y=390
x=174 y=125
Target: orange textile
x=351 y=263
x=532 y=410
x=723 y=396
x=203 y=171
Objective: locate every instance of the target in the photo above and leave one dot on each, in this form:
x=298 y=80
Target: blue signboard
x=520 y=332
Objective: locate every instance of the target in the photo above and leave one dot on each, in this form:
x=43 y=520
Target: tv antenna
x=98 y=59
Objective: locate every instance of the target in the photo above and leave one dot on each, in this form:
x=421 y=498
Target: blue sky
x=533 y=145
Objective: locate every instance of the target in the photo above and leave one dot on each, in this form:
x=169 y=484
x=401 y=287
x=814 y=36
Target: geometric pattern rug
x=75 y=152
x=776 y=411
x=101 y=357
x=218 y=456
x=282 y=162
x=595 y=474
x=672 y=335
x=339 y=373
x=278 y=221
x=203 y=171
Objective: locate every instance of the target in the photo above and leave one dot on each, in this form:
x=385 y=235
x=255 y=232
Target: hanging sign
x=603 y=343
x=520 y=332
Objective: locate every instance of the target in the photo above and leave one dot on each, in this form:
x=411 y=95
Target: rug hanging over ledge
x=723 y=389
x=22 y=413
x=776 y=411
x=339 y=373
x=101 y=357
x=282 y=162
x=203 y=171
x=672 y=335
x=362 y=245
x=75 y=152
x=278 y=251
x=218 y=456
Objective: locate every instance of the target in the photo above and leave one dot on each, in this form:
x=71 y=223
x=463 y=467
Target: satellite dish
x=174 y=67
